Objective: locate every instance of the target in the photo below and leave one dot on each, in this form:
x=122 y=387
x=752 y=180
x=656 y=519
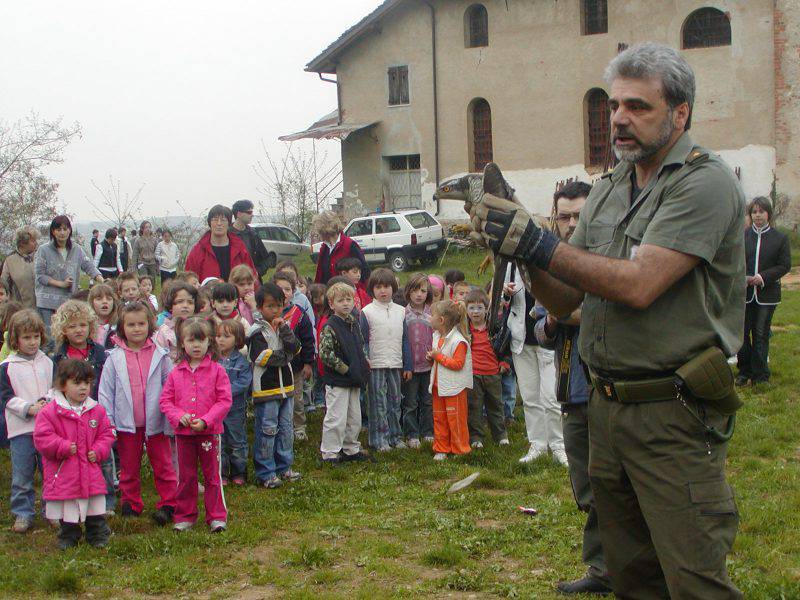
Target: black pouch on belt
x=708 y=378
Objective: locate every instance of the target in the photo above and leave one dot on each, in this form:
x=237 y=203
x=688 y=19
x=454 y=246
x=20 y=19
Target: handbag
x=501 y=339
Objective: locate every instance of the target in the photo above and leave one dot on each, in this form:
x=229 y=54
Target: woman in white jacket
x=167 y=256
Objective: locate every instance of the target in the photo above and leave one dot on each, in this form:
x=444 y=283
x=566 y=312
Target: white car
x=397 y=238
x=280 y=241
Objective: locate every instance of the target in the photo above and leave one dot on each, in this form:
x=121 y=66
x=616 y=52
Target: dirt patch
x=791 y=281
x=490 y=524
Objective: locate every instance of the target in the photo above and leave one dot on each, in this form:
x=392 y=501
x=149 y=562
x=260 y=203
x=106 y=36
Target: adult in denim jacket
x=58 y=269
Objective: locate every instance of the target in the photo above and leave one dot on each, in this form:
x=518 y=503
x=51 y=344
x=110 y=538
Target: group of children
x=120 y=378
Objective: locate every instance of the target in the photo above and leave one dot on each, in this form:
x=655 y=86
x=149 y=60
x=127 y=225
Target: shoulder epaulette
x=696 y=156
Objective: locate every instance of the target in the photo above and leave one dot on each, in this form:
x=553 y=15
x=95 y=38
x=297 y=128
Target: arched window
x=476 y=26
x=706 y=27
x=481 y=138
x=597 y=127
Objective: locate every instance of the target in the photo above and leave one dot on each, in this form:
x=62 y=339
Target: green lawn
x=389 y=530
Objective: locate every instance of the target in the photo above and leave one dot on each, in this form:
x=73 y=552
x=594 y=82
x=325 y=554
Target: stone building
x=429 y=89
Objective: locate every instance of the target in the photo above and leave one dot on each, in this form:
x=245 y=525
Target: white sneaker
x=413 y=443
x=428 y=439
x=477 y=444
x=400 y=445
x=217 y=526
x=503 y=442
x=386 y=448
x=533 y=454
x=183 y=526
x=21 y=525
x=439 y=456
x=560 y=457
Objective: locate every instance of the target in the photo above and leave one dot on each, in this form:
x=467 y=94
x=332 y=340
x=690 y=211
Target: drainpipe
x=435 y=96
x=338 y=97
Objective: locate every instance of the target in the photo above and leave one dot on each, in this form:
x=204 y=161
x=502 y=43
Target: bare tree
x=26 y=193
x=114 y=206
x=186 y=232
x=297 y=185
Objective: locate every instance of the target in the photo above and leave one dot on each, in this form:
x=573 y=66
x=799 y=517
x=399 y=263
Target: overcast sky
x=173 y=94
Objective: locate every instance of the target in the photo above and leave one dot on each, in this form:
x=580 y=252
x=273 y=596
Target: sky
x=176 y=95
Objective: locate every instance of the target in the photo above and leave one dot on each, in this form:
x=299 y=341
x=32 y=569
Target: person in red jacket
x=218 y=251
x=335 y=246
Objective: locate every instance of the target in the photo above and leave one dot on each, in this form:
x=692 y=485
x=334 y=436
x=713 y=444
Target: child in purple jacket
x=73 y=435
x=417 y=408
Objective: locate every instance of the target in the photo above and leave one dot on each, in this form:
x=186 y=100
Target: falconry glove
x=510 y=231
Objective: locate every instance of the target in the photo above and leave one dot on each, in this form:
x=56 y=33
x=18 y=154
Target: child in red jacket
x=73 y=435
x=196 y=399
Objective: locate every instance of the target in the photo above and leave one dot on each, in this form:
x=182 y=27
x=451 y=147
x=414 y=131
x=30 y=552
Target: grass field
x=387 y=529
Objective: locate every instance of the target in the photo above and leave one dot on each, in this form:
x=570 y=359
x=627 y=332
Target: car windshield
x=420 y=220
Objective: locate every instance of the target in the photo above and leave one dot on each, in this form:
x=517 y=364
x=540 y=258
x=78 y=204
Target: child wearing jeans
x=196 y=399
x=486 y=370
x=272 y=345
x=25 y=378
x=384 y=329
x=451 y=377
x=74 y=436
x=230 y=339
x=130 y=389
x=346 y=372
x=417 y=410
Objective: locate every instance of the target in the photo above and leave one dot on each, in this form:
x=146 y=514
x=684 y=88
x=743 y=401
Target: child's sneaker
x=273 y=483
x=224 y=481
x=238 y=481
x=291 y=475
x=386 y=448
x=21 y=525
x=127 y=511
x=300 y=436
x=359 y=456
x=217 y=526
x=400 y=445
x=477 y=444
x=413 y=443
x=428 y=439
x=183 y=526
x=439 y=456
x=503 y=442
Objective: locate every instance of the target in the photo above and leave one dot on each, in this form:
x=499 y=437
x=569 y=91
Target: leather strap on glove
x=510 y=231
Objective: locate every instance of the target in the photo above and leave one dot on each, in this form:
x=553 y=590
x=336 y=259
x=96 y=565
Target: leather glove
x=510 y=231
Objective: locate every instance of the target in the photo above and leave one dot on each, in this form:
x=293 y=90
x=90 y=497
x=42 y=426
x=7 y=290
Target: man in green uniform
x=657 y=261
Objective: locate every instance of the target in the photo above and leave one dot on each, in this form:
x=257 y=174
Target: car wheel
x=272 y=260
x=398 y=261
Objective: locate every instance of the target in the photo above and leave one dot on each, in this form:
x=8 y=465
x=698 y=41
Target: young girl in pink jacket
x=73 y=435
x=196 y=399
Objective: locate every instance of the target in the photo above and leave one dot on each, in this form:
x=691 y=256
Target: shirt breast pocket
x=636 y=228
x=599 y=235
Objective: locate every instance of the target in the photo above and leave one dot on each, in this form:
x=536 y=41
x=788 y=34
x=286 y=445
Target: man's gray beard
x=645 y=151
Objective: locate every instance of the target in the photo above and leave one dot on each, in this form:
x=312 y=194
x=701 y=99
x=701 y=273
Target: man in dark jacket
x=243 y=216
x=572 y=392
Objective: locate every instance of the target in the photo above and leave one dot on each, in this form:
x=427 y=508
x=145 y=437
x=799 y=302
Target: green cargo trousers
x=575 y=422
x=667 y=516
x=486 y=391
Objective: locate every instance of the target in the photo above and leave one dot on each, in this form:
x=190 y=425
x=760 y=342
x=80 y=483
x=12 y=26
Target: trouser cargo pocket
x=715 y=521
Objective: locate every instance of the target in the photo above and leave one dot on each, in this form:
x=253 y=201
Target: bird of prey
x=470 y=189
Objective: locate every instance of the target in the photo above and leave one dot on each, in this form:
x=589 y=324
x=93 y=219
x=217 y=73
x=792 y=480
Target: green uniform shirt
x=693 y=205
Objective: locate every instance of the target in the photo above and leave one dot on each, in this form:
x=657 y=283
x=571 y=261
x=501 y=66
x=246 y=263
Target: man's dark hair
x=241 y=206
x=111 y=234
x=351 y=262
x=572 y=190
x=217 y=210
x=94 y=231
x=270 y=290
x=79 y=371
x=224 y=292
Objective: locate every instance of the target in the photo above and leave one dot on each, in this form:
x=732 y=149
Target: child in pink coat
x=73 y=435
x=196 y=399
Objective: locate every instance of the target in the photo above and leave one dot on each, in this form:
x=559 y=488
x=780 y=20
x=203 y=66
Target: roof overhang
x=325 y=62
x=327 y=128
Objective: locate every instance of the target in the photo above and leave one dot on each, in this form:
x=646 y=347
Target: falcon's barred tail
x=494 y=183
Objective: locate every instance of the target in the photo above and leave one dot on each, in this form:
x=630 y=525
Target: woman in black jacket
x=768 y=257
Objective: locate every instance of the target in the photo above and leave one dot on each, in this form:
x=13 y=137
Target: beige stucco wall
x=787 y=102
x=535 y=74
